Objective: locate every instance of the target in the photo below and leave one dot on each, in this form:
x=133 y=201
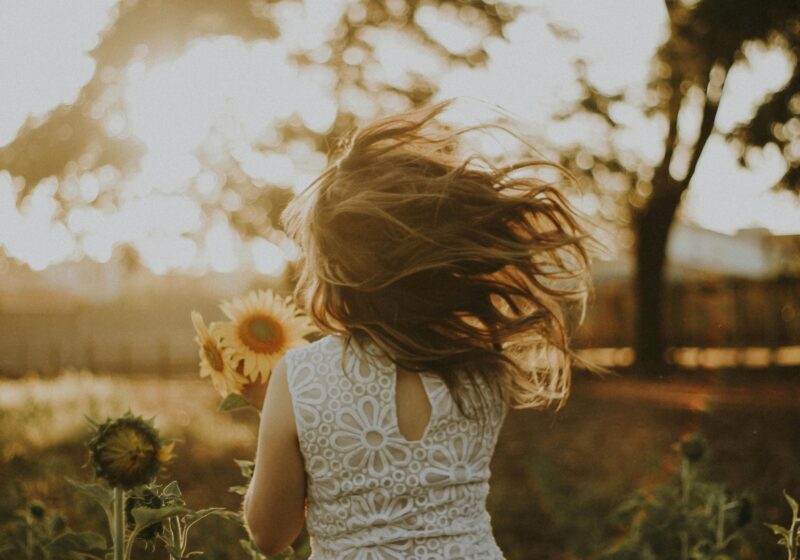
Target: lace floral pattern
x=372 y=494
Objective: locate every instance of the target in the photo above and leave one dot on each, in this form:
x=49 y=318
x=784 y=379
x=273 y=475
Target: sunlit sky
x=223 y=95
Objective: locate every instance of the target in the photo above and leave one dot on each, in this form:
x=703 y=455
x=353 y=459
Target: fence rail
x=710 y=314
x=157 y=335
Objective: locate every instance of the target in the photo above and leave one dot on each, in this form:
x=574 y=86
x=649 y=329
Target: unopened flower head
x=693 y=447
x=127 y=451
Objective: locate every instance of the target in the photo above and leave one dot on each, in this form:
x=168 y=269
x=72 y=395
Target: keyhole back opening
x=412 y=405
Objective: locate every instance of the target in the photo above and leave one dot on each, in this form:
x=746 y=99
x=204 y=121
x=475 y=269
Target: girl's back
x=373 y=493
x=467 y=271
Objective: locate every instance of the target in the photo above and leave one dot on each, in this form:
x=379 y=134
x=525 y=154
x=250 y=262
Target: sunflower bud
x=37 y=510
x=693 y=447
x=127 y=451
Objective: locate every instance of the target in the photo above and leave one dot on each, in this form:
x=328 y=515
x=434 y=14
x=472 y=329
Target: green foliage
x=165 y=517
x=30 y=531
x=246 y=467
x=789 y=536
x=80 y=546
x=687 y=518
x=153 y=514
x=99 y=493
x=569 y=512
x=233 y=402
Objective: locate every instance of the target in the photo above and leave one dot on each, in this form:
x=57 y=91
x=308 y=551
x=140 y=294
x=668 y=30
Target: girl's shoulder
x=330 y=345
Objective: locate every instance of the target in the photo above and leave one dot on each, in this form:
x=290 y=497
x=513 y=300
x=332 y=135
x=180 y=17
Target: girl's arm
x=274 y=503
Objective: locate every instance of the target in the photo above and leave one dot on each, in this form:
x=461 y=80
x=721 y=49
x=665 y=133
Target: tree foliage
x=73 y=138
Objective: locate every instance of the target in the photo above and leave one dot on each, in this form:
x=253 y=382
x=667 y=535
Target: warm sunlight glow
x=29 y=233
x=45 y=56
x=269 y=258
x=220 y=102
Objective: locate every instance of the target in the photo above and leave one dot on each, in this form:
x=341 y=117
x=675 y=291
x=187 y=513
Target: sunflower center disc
x=262 y=330
x=213 y=357
x=262 y=334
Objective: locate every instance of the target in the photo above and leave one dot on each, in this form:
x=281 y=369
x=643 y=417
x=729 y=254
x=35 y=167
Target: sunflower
x=212 y=361
x=263 y=327
x=127 y=451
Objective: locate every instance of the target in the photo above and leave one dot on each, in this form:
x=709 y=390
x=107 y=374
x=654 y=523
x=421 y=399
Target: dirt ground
x=556 y=475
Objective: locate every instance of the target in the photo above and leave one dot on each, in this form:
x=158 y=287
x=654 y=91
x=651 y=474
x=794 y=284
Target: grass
x=556 y=476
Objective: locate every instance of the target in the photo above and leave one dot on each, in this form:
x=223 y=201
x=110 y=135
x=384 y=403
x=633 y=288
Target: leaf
x=246 y=466
x=233 y=402
x=172 y=490
x=235 y=517
x=240 y=490
x=99 y=493
x=196 y=516
x=250 y=548
x=792 y=504
x=80 y=544
x=778 y=530
x=145 y=516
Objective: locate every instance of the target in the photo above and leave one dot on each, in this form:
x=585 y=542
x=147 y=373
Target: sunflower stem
x=119 y=524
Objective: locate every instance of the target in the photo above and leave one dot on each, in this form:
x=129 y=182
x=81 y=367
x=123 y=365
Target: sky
x=223 y=94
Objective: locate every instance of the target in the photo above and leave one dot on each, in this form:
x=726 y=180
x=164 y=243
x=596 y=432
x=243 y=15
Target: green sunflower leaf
x=246 y=466
x=172 y=490
x=778 y=530
x=78 y=545
x=792 y=504
x=101 y=494
x=196 y=516
x=240 y=490
x=145 y=516
x=233 y=402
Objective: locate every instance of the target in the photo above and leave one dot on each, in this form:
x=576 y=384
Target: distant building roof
x=693 y=251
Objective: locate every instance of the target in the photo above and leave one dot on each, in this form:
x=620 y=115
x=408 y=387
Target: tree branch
x=713 y=97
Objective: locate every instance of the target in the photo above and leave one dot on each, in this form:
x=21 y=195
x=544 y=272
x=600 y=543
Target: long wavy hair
x=448 y=264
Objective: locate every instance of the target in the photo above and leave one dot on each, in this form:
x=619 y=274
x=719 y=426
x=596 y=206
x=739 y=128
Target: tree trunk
x=653 y=227
x=654 y=222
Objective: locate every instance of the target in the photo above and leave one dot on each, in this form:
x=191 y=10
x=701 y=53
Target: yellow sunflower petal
x=199 y=324
x=165 y=454
x=262 y=327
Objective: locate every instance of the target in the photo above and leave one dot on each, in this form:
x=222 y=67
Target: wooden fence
x=730 y=313
x=156 y=335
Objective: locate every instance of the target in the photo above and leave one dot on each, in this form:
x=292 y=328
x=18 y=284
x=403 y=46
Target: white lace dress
x=372 y=494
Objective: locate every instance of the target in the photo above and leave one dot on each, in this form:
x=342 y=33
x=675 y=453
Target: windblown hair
x=449 y=265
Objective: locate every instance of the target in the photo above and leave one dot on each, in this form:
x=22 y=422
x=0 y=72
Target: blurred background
x=147 y=148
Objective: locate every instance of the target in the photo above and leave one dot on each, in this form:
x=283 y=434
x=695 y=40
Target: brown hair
x=450 y=265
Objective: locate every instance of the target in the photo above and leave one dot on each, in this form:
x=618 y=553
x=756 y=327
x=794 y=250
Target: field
x=557 y=477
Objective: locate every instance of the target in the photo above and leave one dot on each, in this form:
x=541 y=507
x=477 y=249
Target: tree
x=706 y=38
x=75 y=133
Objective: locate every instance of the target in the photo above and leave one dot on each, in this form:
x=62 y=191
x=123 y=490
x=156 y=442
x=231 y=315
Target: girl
x=442 y=285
